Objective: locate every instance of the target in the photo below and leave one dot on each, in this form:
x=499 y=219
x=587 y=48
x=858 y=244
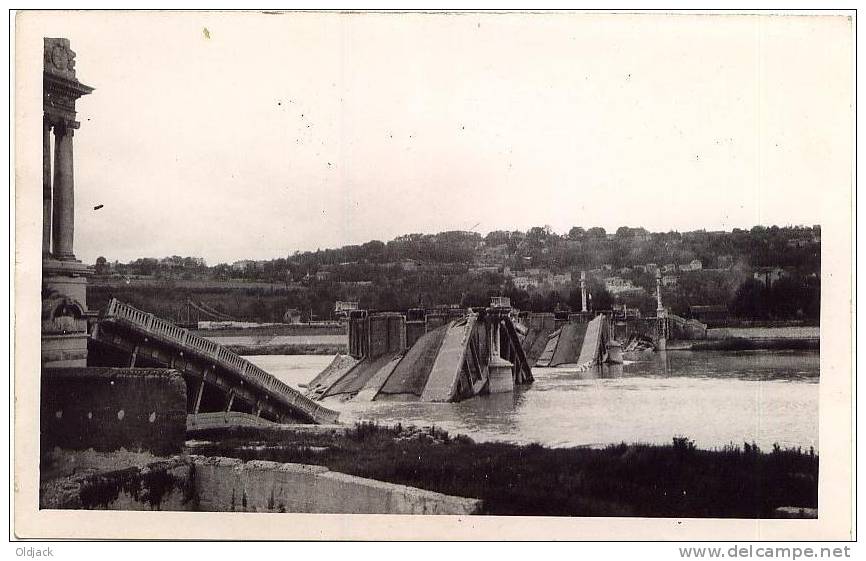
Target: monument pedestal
x=500 y=377
x=64 y=313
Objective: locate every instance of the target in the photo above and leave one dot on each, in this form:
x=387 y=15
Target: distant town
x=765 y=273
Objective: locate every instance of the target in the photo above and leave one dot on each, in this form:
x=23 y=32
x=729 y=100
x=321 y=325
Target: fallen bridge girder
x=194 y=369
x=143 y=336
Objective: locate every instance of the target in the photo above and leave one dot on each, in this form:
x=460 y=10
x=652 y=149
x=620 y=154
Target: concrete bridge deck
x=229 y=379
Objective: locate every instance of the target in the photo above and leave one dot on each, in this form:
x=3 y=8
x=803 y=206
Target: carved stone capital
x=59 y=58
x=60 y=87
x=61 y=125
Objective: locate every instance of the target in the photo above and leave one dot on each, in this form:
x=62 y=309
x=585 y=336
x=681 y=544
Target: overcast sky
x=274 y=133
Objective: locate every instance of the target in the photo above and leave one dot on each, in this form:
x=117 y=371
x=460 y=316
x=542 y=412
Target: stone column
x=583 y=291
x=662 y=340
x=46 y=187
x=63 y=219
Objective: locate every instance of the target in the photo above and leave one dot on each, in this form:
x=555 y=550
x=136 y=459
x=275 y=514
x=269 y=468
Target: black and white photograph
x=558 y=271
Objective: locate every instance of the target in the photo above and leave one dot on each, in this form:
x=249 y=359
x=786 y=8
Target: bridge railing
x=245 y=369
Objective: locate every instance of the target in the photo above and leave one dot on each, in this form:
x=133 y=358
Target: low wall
x=213 y=484
x=113 y=408
x=225 y=484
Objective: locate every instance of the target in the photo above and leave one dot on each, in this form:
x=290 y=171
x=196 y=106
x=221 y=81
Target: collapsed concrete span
x=569 y=340
x=420 y=357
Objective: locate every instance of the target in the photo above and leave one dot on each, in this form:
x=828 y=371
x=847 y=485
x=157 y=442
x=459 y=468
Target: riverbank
x=272 y=330
x=745 y=344
x=786 y=338
x=329 y=349
x=302 y=340
x=676 y=480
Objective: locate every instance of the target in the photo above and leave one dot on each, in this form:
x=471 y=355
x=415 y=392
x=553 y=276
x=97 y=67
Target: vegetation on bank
x=676 y=480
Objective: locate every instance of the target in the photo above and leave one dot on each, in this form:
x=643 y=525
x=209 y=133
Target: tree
x=538 y=235
x=750 y=300
x=598 y=296
x=576 y=233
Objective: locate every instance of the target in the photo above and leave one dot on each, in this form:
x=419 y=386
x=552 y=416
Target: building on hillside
x=323 y=275
x=560 y=280
x=768 y=275
x=619 y=285
x=651 y=268
x=693 y=265
x=800 y=242
x=342 y=309
x=242 y=264
x=669 y=268
x=670 y=281
x=524 y=282
x=481 y=269
x=725 y=261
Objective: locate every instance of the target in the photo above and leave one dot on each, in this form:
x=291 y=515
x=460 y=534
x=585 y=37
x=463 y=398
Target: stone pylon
x=64 y=278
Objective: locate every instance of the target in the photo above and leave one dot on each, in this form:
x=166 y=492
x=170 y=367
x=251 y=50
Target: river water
x=713 y=397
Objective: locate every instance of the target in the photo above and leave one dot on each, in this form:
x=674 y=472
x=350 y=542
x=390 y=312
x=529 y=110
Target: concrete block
x=113 y=408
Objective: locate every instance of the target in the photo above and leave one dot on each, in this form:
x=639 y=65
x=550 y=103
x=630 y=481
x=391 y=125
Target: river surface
x=713 y=397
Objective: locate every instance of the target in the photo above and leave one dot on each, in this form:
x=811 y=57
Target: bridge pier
x=451 y=359
x=500 y=377
x=500 y=371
